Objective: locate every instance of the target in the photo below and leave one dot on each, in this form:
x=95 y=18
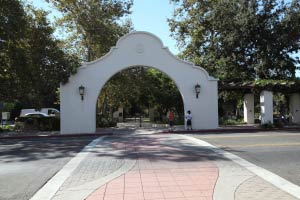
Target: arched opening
x=139 y=96
x=78 y=112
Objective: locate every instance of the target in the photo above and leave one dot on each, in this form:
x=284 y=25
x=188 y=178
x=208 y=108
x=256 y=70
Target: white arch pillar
x=295 y=108
x=266 y=107
x=249 y=108
x=137 y=49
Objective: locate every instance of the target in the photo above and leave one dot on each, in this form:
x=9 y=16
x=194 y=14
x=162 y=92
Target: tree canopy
x=32 y=61
x=239 y=39
x=92 y=26
x=138 y=89
x=234 y=40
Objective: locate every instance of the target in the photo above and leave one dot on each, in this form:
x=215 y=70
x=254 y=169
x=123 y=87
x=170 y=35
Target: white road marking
x=249 y=136
x=51 y=187
x=297 y=144
x=272 y=178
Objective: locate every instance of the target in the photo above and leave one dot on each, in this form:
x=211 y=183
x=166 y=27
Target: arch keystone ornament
x=79 y=116
x=139 y=48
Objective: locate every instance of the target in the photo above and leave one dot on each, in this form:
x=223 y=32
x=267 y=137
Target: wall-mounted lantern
x=81 y=91
x=197 y=90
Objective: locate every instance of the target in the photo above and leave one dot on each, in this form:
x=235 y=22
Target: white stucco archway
x=137 y=49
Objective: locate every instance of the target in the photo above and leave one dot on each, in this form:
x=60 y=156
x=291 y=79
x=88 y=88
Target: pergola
x=265 y=89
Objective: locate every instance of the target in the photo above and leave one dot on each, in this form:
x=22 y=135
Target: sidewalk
x=130 y=127
x=160 y=167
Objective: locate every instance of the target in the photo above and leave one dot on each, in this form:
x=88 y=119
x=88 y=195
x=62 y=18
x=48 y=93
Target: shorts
x=189 y=122
x=171 y=123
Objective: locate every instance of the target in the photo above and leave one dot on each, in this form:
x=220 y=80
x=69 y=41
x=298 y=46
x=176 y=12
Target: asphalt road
x=278 y=152
x=26 y=165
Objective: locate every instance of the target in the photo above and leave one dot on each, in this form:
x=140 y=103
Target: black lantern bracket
x=81 y=91
x=197 y=90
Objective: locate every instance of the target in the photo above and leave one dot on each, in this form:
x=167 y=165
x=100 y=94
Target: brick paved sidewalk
x=162 y=175
x=162 y=167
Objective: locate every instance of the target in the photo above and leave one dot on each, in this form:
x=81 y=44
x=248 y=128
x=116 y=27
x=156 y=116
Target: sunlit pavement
x=158 y=174
x=160 y=167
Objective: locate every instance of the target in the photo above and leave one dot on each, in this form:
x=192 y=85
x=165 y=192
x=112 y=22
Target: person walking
x=188 y=118
x=171 y=119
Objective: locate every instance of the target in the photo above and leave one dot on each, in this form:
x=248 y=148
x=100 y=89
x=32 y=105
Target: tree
x=138 y=89
x=12 y=48
x=32 y=62
x=93 y=25
x=239 y=40
x=48 y=64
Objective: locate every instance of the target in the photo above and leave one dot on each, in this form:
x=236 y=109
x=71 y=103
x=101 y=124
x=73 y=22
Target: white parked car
x=46 y=111
x=36 y=114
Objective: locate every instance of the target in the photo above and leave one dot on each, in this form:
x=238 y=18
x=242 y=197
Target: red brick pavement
x=162 y=172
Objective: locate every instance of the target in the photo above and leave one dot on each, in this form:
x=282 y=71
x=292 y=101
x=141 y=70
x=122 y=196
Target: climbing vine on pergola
x=283 y=86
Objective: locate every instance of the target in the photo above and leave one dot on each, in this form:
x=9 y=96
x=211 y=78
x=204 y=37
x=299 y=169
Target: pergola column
x=295 y=108
x=249 y=108
x=266 y=107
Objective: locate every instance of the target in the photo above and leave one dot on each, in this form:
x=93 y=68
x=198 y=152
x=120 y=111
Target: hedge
x=37 y=124
x=103 y=121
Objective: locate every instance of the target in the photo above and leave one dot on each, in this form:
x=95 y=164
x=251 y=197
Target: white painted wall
x=137 y=49
x=266 y=106
x=295 y=108
x=249 y=108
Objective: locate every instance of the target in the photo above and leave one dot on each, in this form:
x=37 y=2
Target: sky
x=151 y=16
x=147 y=15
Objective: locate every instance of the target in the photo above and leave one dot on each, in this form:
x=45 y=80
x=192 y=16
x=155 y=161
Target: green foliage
x=231 y=122
x=267 y=125
x=230 y=103
x=278 y=85
x=93 y=26
x=105 y=121
x=245 y=43
x=7 y=107
x=256 y=86
x=179 y=121
x=138 y=89
x=12 y=47
x=239 y=40
x=32 y=62
x=278 y=123
x=37 y=124
x=6 y=128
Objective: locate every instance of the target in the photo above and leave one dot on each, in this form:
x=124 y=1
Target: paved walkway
x=161 y=167
x=162 y=171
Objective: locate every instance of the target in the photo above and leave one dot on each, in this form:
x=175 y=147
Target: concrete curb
x=233 y=130
x=206 y=131
x=52 y=186
x=230 y=176
x=55 y=136
x=274 y=179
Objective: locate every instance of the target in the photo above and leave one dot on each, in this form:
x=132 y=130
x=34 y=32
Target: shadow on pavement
x=38 y=149
x=156 y=149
